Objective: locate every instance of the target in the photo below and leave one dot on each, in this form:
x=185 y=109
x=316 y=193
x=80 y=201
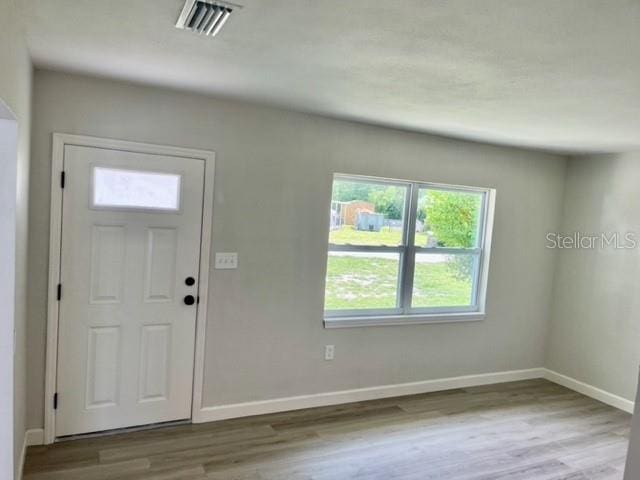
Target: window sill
x=390 y=320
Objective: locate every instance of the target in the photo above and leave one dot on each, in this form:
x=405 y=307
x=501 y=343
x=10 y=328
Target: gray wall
x=595 y=329
x=15 y=91
x=273 y=178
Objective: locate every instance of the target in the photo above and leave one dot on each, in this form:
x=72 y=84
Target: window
x=131 y=189
x=405 y=252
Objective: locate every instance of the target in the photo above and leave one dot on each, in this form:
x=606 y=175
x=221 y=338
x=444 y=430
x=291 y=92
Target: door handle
x=189 y=281
x=189 y=300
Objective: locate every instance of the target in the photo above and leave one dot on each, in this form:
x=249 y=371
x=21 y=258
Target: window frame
x=405 y=313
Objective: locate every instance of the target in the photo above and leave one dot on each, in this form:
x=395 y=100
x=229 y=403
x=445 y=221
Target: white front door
x=131 y=230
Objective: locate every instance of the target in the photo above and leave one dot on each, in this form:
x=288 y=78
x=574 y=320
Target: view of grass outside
x=442 y=281
x=361 y=281
x=355 y=282
x=370 y=214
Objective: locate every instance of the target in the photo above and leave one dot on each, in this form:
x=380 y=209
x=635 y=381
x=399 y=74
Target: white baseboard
x=589 y=390
x=260 y=407
x=34 y=436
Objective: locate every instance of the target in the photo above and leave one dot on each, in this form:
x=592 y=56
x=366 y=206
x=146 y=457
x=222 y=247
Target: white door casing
x=126 y=338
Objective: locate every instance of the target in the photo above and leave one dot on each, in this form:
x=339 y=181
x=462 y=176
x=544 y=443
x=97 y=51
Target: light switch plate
x=226 y=260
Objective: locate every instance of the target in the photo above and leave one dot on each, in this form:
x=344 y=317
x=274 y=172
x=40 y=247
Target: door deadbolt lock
x=189 y=300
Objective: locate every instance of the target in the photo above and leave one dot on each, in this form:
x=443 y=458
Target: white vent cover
x=204 y=16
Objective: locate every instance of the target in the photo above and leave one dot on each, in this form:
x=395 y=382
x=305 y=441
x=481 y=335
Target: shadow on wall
x=8 y=165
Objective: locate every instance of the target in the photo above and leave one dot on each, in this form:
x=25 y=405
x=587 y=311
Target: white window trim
x=408 y=315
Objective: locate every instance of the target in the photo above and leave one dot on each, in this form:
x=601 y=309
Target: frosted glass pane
x=134 y=189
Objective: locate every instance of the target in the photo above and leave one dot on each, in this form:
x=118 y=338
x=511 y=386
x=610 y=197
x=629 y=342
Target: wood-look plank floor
x=531 y=430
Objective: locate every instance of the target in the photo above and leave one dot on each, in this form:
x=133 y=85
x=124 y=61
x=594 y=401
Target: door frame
x=60 y=140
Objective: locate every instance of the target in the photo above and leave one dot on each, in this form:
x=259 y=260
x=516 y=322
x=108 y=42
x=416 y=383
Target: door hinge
x=55 y=401
x=59 y=291
x=62 y=179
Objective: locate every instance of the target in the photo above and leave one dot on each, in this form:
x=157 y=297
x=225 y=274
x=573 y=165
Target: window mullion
x=364 y=248
x=477 y=265
x=408 y=256
x=448 y=251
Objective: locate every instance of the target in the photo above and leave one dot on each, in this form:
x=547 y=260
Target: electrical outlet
x=329 y=352
x=226 y=261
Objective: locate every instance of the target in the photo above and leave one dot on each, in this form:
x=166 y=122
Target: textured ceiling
x=554 y=74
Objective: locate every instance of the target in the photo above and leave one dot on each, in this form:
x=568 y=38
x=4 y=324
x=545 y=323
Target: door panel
x=103 y=367
x=161 y=264
x=154 y=362
x=107 y=263
x=131 y=228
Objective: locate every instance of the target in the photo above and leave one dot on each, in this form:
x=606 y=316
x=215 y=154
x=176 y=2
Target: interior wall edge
x=554 y=276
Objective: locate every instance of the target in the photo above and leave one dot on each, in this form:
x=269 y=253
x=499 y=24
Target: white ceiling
x=554 y=74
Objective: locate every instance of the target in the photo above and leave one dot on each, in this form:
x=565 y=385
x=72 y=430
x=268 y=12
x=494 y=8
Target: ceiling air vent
x=204 y=16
